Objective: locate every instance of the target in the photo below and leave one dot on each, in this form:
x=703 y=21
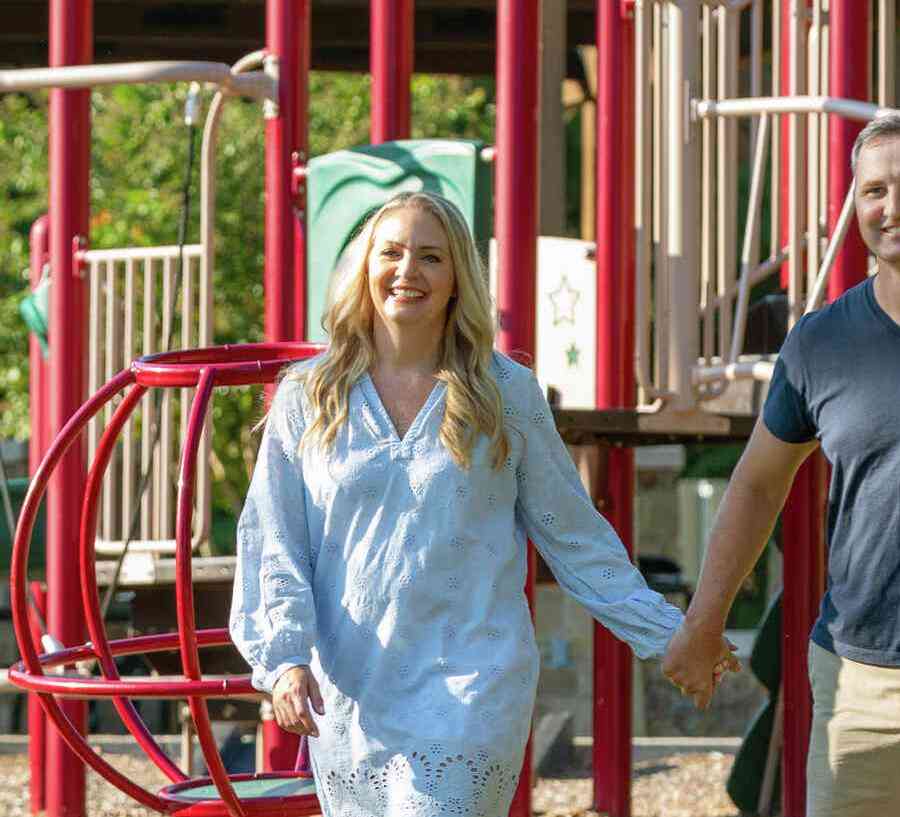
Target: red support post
x=70 y=43
x=283 y=44
x=300 y=158
x=37 y=446
x=849 y=78
x=391 y=53
x=802 y=525
x=785 y=90
x=516 y=218
x=287 y=41
x=615 y=380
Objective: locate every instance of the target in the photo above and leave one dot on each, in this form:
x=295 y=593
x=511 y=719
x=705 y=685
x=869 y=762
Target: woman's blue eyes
x=432 y=259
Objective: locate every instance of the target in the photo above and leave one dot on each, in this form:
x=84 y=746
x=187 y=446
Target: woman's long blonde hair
x=474 y=405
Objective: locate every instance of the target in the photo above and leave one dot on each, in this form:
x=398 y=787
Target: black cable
x=190 y=121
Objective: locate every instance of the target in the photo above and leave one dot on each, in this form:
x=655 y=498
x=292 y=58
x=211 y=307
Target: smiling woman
x=382 y=549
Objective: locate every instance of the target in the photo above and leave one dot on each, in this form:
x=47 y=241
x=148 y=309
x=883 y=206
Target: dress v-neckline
x=424 y=410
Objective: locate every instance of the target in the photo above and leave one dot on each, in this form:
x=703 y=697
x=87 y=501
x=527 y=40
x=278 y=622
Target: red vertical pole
x=37 y=720
x=70 y=43
x=391 y=54
x=849 y=79
x=283 y=44
x=516 y=217
x=300 y=158
x=37 y=445
x=615 y=379
x=802 y=528
x=287 y=39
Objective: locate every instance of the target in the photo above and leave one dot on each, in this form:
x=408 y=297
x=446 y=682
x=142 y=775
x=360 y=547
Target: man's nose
x=892 y=204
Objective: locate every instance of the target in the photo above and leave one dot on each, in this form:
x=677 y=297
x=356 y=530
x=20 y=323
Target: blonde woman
x=382 y=548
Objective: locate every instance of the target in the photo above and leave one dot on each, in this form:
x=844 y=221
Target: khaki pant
x=853 y=768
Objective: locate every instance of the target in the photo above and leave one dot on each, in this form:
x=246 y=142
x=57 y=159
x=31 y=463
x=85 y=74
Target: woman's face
x=411 y=275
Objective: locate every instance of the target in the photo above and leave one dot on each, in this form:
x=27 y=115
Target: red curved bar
x=90 y=597
x=239 y=365
x=19 y=582
x=187 y=627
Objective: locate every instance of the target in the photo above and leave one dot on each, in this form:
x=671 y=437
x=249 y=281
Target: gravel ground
x=682 y=785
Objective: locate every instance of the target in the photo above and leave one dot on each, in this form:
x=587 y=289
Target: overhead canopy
x=451 y=36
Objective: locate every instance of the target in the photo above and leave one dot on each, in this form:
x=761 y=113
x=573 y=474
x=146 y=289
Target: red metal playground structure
x=666 y=126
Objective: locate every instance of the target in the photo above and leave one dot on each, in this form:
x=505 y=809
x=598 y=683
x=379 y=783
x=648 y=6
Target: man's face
x=878 y=198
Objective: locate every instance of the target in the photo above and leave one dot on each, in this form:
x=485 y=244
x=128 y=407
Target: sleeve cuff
x=265 y=681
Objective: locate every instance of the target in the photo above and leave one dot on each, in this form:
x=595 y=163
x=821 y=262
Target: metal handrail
x=257 y=85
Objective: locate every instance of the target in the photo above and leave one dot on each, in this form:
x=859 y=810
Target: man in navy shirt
x=836 y=385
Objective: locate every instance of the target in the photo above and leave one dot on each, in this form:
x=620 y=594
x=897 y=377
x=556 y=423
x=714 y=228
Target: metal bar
x=112 y=350
x=257 y=84
x=796 y=175
x=302 y=14
x=813 y=122
x=141 y=253
x=727 y=167
x=614 y=380
x=708 y=209
x=283 y=47
x=682 y=200
x=516 y=219
x=391 y=50
x=849 y=77
x=129 y=472
x=187 y=629
x=89 y=593
x=887 y=54
x=165 y=446
x=643 y=214
x=751 y=229
x=660 y=174
x=837 y=238
x=792 y=104
x=756 y=370
x=70 y=41
x=148 y=414
x=756 y=68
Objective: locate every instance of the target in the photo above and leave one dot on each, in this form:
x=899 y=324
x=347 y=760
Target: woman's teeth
x=406 y=293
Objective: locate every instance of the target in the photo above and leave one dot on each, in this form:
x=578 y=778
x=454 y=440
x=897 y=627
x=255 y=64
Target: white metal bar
x=166 y=522
x=757 y=370
x=708 y=209
x=727 y=167
x=143 y=253
x=813 y=123
x=817 y=291
x=147 y=413
x=112 y=333
x=661 y=304
x=794 y=104
x=256 y=84
x=795 y=168
x=129 y=471
x=751 y=229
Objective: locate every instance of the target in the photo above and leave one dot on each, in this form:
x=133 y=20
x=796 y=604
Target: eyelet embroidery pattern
x=548 y=519
x=424 y=784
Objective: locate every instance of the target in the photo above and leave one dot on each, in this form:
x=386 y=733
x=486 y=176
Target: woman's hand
x=294 y=690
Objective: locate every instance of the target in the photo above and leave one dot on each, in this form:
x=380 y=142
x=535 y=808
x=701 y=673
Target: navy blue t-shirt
x=837 y=379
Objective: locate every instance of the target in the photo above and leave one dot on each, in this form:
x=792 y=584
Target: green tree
x=138 y=160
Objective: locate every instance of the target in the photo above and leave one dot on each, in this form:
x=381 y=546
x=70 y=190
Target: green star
x=572 y=354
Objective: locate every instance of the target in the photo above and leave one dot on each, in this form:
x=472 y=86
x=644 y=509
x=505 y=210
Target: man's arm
x=750 y=506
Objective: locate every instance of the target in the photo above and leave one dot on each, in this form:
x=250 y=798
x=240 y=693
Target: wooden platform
x=632 y=428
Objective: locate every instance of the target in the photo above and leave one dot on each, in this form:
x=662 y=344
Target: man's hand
x=696 y=660
x=290 y=694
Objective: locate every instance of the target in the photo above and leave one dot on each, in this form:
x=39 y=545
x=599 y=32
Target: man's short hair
x=887 y=125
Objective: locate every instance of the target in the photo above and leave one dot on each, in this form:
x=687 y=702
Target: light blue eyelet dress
x=399 y=578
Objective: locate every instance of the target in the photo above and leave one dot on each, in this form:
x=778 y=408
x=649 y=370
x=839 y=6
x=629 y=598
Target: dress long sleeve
x=577 y=543
x=273 y=619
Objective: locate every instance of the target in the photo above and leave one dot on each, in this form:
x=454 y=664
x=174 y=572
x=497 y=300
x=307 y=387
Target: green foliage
x=138 y=160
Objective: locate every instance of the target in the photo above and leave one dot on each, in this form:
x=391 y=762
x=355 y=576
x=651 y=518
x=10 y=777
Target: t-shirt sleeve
x=786 y=412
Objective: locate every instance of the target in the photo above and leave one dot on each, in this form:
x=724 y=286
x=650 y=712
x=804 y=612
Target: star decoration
x=572 y=355
x=564 y=298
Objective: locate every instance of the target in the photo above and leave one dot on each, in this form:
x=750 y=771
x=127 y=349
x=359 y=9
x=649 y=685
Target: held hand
x=696 y=660
x=294 y=690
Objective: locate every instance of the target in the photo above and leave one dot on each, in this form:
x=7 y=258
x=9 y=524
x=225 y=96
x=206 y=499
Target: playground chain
x=686 y=785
